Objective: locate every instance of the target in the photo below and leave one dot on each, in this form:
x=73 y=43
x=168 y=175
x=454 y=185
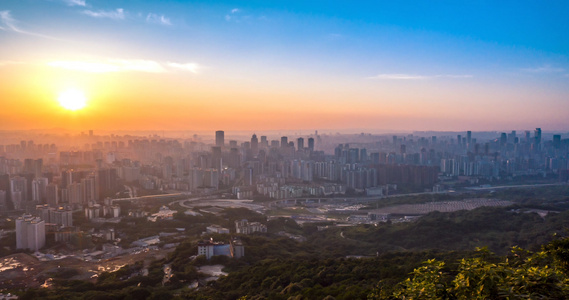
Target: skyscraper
x=284 y=141
x=311 y=144
x=537 y=136
x=264 y=141
x=300 y=143
x=557 y=141
x=219 y=138
x=254 y=144
x=469 y=137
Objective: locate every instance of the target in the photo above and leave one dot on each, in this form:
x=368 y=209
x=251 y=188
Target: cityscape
x=284 y=150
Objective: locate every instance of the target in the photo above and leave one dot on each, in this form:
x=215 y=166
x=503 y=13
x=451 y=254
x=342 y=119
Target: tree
x=543 y=274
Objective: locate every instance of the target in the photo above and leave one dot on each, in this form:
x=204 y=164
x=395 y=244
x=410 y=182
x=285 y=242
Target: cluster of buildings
x=210 y=248
x=50 y=180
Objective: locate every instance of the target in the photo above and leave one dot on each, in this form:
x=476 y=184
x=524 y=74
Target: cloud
x=116 y=65
x=415 y=76
x=156 y=19
x=117 y=14
x=10 y=62
x=543 y=69
x=8 y=23
x=191 y=67
x=76 y=2
x=122 y=65
x=232 y=15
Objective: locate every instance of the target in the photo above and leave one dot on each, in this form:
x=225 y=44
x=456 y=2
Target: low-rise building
x=246 y=227
x=210 y=248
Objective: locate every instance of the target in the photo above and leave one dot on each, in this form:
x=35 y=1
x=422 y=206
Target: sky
x=290 y=65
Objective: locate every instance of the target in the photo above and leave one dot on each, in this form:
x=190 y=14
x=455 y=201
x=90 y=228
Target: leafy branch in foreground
x=543 y=274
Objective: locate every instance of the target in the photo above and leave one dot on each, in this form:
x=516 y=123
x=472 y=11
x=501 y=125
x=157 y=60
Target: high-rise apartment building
x=30 y=233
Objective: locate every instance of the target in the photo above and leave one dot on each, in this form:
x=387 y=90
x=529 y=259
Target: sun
x=72 y=99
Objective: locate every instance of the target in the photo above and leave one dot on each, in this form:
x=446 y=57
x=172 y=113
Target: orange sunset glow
x=164 y=74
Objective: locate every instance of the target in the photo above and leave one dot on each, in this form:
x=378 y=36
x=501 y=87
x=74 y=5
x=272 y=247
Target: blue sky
x=324 y=51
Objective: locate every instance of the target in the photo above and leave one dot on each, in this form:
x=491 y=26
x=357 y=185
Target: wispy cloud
x=10 y=62
x=117 y=14
x=415 y=76
x=75 y=2
x=8 y=23
x=122 y=65
x=543 y=69
x=116 y=65
x=158 y=19
x=191 y=67
x=234 y=15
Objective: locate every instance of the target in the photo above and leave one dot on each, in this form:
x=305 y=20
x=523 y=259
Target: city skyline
x=255 y=66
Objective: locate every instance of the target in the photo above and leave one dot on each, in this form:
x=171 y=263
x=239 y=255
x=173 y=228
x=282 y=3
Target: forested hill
x=277 y=267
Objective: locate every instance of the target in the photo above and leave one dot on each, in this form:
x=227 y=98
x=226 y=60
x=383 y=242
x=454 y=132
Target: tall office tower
x=469 y=137
x=434 y=139
x=537 y=136
x=254 y=144
x=264 y=141
x=30 y=233
x=403 y=149
x=219 y=138
x=394 y=139
x=311 y=144
x=284 y=141
x=503 y=139
x=232 y=144
x=51 y=195
x=216 y=159
x=459 y=139
x=528 y=137
x=557 y=141
x=300 y=143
